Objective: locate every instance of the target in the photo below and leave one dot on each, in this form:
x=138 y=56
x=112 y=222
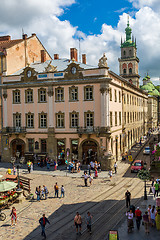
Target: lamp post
x=144 y=175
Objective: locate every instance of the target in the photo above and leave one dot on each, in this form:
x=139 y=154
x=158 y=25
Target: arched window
x=124 y=71
x=130 y=70
x=124 y=53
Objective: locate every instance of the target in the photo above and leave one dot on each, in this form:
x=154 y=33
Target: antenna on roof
x=22 y=31
x=79 y=50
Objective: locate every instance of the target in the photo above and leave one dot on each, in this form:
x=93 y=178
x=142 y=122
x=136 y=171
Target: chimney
x=73 y=54
x=43 y=56
x=56 y=56
x=84 y=58
x=33 y=34
x=24 y=36
x=5 y=38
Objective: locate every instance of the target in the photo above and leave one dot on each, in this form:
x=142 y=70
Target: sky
x=59 y=24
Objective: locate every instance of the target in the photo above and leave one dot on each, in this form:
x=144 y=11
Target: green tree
x=144 y=175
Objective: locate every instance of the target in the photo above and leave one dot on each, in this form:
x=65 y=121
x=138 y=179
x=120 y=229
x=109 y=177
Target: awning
x=7 y=186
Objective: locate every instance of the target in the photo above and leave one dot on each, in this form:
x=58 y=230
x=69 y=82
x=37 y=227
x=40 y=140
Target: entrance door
x=89 y=152
x=18 y=145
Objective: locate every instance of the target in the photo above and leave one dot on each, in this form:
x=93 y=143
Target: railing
x=96 y=130
x=14 y=129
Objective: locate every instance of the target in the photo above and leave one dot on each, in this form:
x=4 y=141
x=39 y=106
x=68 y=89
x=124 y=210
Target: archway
x=89 y=151
x=17 y=145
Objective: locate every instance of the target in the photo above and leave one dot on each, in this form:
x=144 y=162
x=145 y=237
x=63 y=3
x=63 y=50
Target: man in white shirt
x=115 y=167
x=85 y=179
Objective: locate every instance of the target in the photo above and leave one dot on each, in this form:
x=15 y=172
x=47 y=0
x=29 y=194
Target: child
x=13 y=216
x=62 y=191
x=90 y=179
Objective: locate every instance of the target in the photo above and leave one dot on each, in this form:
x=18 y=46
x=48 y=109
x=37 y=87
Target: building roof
x=9 y=43
x=149 y=87
x=61 y=65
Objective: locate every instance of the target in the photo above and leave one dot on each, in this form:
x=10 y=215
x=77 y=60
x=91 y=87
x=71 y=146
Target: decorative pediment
x=29 y=74
x=73 y=71
x=50 y=68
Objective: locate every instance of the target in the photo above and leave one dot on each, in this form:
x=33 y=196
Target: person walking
x=29 y=166
x=115 y=167
x=153 y=216
x=78 y=222
x=138 y=215
x=37 y=192
x=13 y=216
x=110 y=173
x=43 y=221
x=90 y=179
x=62 y=191
x=56 y=190
x=45 y=191
x=89 y=221
x=156 y=185
x=85 y=179
x=146 y=222
x=128 y=198
x=130 y=215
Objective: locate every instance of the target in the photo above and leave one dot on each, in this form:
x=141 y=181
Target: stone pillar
x=51 y=144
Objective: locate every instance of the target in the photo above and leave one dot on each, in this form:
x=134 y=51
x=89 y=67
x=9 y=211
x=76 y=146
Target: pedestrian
x=43 y=221
x=110 y=173
x=130 y=215
x=146 y=222
x=95 y=173
x=158 y=218
x=37 y=192
x=85 y=179
x=56 y=190
x=78 y=222
x=48 y=163
x=138 y=215
x=14 y=170
x=99 y=167
x=62 y=191
x=43 y=194
x=153 y=216
x=29 y=166
x=79 y=166
x=156 y=185
x=55 y=165
x=45 y=191
x=90 y=179
x=89 y=221
x=128 y=198
x=13 y=216
x=115 y=167
x=40 y=192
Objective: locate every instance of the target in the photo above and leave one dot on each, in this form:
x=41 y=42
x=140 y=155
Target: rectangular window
x=128 y=117
x=111 y=122
x=110 y=94
x=74 y=120
x=31 y=145
x=17 y=120
x=73 y=94
x=16 y=96
x=115 y=95
x=29 y=96
x=89 y=119
x=119 y=97
x=88 y=93
x=60 y=120
x=59 y=94
x=42 y=95
x=125 y=118
x=127 y=99
x=115 y=118
x=42 y=120
x=30 y=120
x=124 y=97
x=43 y=145
x=120 y=119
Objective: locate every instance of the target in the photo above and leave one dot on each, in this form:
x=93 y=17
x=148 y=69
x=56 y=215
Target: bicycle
x=2 y=216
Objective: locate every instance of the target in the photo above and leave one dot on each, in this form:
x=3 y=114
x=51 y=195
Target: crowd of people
x=42 y=193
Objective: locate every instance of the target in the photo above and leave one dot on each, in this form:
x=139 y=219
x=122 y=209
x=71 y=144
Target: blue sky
x=58 y=23
x=90 y=15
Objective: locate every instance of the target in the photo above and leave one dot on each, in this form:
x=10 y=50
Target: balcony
x=15 y=130
x=93 y=130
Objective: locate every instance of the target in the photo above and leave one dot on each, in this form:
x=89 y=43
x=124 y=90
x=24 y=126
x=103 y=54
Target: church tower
x=128 y=63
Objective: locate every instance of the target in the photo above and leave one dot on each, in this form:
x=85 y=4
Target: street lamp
x=144 y=175
x=19 y=162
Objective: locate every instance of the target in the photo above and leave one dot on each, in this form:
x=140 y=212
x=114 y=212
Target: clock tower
x=128 y=63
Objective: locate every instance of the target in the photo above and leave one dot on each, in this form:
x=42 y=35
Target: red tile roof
x=9 y=43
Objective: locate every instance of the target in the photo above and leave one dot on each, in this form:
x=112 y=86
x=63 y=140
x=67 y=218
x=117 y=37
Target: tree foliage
x=144 y=175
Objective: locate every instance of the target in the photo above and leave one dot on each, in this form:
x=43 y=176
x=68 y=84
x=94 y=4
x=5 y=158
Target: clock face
x=29 y=73
x=74 y=70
